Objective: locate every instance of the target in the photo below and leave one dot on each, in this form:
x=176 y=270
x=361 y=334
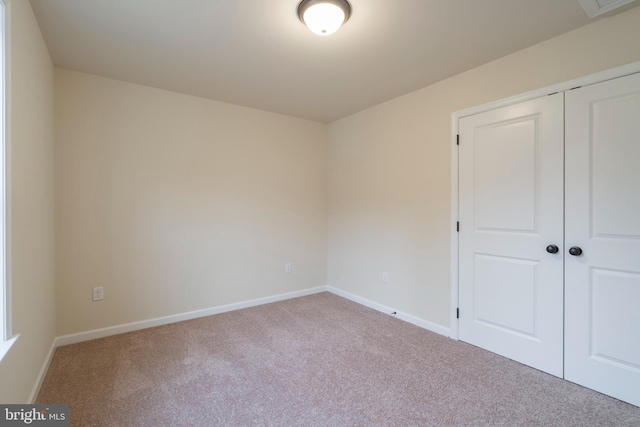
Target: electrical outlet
x=98 y=293
x=287 y=267
x=385 y=277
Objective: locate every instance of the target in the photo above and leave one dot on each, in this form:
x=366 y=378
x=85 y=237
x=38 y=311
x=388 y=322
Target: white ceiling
x=258 y=54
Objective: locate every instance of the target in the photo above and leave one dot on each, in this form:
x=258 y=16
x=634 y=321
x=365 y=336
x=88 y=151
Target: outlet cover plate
x=98 y=293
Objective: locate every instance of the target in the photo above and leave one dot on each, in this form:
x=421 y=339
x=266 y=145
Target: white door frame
x=614 y=73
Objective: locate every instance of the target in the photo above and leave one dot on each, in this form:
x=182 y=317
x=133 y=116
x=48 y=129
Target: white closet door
x=511 y=209
x=602 y=318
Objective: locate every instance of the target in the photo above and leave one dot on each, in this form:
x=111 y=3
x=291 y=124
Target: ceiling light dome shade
x=324 y=17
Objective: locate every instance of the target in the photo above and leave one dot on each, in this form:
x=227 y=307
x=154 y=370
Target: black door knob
x=552 y=249
x=575 y=251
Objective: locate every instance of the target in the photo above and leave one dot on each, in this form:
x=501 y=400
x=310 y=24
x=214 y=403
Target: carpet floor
x=318 y=360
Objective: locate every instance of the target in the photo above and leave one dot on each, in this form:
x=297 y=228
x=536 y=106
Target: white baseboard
x=42 y=373
x=159 y=321
x=135 y=326
x=144 y=324
x=433 y=327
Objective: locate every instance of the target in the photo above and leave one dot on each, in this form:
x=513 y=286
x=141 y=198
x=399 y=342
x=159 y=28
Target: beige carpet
x=314 y=361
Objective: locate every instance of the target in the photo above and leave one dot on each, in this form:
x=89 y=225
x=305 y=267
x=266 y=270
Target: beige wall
x=32 y=205
x=174 y=203
x=389 y=167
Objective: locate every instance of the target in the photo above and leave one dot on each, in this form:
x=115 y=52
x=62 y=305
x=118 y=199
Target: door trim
x=590 y=79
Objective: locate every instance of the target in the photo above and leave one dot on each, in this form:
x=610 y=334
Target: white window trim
x=6 y=333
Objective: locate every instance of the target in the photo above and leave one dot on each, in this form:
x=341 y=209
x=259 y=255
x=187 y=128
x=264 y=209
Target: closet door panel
x=511 y=209
x=602 y=317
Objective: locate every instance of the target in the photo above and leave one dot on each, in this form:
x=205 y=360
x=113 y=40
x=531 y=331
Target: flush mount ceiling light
x=324 y=17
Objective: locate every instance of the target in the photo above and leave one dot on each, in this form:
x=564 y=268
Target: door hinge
x=458 y=226
x=457 y=139
x=457 y=313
